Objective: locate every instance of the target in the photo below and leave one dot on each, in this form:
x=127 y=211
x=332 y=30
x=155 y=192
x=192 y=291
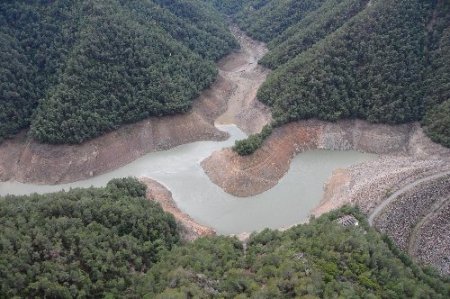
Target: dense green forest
x=73 y=70
x=384 y=61
x=81 y=243
x=437 y=118
x=112 y=242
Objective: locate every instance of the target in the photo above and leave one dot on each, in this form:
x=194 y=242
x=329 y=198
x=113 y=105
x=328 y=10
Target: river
x=179 y=170
x=288 y=203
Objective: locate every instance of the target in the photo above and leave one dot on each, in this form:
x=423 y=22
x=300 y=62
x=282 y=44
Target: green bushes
x=371 y=69
x=253 y=142
x=112 y=242
x=437 y=123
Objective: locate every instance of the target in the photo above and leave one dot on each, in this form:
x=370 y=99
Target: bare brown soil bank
x=191 y=230
x=254 y=174
x=25 y=160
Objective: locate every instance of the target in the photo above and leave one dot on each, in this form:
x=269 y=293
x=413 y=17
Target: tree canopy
x=81 y=243
x=112 y=242
x=381 y=60
x=74 y=70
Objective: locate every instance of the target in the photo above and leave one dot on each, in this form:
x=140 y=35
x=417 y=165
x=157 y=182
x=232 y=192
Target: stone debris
x=416 y=217
x=433 y=243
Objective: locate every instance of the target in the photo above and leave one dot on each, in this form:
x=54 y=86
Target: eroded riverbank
x=133 y=151
x=254 y=174
x=230 y=98
x=190 y=230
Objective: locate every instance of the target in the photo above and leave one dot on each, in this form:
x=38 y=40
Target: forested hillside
x=437 y=118
x=76 y=69
x=81 y=243
x=112 y=242
x=384 y=61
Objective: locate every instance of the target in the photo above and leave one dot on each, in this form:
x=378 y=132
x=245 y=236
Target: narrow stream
x=179 y=170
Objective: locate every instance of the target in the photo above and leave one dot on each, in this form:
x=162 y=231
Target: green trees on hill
x=381 y=60
x=112 y=242
x=371 y=69
x=76 y=69
x=81 y=243
x=318 y=260
x=35 y=40
x=311 y=29
x=437 y=118
x=265 y=20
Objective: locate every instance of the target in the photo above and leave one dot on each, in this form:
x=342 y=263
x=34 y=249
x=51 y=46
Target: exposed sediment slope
x=242 y=68
x=432 y=243
x=191 y=230
x=231 y=97
x=26 y=160
x=418 y=214
x=369 y=184
x=250 y=175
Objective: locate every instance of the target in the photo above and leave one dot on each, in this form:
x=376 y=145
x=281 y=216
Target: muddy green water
x=179 y=170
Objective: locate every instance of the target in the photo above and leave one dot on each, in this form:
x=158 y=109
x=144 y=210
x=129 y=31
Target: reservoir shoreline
x=405 y=152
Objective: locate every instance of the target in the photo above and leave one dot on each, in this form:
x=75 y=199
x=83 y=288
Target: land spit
x=190 y=230
x=254 y=174
x=406 y=157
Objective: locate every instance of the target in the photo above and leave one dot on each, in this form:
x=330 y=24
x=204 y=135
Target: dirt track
x=404 y=189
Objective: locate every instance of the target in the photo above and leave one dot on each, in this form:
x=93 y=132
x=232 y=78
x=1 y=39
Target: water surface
x=288 y=203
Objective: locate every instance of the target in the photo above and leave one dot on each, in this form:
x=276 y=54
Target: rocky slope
x=415 y=220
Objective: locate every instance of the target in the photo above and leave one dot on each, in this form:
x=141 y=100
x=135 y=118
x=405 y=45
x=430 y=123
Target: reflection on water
x=179 y=170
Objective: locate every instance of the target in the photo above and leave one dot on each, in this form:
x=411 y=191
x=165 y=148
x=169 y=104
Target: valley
x=225 y=149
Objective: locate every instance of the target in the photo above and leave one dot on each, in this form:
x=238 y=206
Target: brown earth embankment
x=190 y=230
x=254 y=174
x=231 y=99
x=26 y=160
